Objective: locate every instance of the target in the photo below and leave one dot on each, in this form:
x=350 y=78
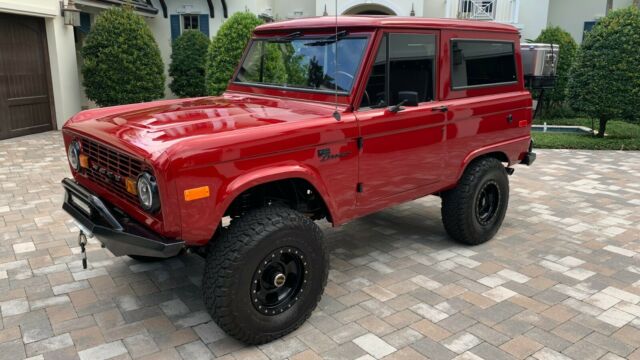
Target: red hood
x=150 y=128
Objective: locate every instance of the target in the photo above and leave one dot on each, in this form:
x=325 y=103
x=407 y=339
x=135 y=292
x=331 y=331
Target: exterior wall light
x=70 y=12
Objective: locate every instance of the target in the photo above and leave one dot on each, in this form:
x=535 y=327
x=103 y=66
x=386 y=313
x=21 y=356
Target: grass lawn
x=619 y=136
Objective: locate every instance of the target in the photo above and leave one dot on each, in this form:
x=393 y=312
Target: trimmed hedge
x=121 y=60
x=226 y=50
x=568 y=47
x=188 y=60
x=605 y=80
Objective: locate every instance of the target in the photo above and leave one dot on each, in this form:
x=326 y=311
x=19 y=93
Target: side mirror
x=408 y=98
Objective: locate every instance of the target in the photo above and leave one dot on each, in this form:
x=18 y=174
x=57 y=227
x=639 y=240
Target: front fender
x=201 y=218
x=270 y=174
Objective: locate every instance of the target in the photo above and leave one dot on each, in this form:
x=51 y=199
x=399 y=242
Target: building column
x=64 y=69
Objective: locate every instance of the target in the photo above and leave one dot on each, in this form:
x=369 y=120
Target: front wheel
x=472 y=212
x=265 y=275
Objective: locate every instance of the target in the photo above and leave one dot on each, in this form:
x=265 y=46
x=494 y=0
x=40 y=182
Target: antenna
x=336 y=113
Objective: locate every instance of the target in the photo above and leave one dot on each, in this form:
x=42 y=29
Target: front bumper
x=118 y=233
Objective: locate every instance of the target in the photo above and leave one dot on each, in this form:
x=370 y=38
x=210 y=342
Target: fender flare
x=274 y=173
x=493 y=148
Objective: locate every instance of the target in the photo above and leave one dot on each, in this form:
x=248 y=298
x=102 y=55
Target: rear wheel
x=265 y=275
x=472 y=213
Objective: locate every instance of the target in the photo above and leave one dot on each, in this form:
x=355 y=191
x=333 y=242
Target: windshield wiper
x=286 y=38
x=330 y=40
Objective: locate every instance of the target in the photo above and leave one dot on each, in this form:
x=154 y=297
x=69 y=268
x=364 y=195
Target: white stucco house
x=40 y=81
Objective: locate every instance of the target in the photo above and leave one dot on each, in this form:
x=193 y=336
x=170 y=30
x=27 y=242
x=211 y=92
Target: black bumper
x=121 y=235
x=530 y=156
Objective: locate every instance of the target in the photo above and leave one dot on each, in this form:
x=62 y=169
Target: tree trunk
x=603 y=127
x=609 y=6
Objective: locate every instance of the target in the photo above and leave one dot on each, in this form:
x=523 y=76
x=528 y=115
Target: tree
x=121 y=60
x=605 y=80
x=188 y=59
x=556 y=35
x=226 y=50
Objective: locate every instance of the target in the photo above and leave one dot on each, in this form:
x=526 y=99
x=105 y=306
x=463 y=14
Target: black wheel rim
x=278 y=282
x=487 y=202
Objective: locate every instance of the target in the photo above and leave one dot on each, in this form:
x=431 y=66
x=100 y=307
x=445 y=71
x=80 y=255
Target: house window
x=482 y=63
x=190 y=22
x=404 y=63
x=183 y=22
x=588 y=26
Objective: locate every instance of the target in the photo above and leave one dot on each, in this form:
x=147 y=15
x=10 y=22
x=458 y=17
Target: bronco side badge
x=325 y=154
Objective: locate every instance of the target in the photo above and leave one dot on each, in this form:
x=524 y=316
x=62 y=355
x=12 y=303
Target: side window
x=404 y=63
x=480 y=63
x=412 y=66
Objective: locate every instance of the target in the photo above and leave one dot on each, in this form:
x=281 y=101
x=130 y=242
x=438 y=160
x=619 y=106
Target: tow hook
x=510 y=170
x=82 y=241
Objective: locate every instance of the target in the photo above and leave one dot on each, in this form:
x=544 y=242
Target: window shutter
x=175 y=27
x=204 y=24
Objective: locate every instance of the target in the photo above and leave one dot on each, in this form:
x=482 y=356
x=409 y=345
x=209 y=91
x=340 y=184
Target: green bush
x=226 y=50
x=121 y=60
x=605 y=80
x=568 y=47
x=188 y=59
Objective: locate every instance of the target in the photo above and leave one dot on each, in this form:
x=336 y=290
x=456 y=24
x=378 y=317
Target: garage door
x=25 y=97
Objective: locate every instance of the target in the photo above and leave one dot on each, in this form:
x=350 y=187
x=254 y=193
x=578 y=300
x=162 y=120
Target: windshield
x=303 y=63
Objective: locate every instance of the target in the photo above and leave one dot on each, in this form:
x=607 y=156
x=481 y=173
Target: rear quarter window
x=479 y=63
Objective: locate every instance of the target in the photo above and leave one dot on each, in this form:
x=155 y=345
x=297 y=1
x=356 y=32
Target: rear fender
x=510 y=151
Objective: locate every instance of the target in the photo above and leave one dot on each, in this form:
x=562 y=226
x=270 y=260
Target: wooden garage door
x=25 y=97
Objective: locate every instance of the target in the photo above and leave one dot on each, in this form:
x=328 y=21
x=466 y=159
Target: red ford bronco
x=318 y=122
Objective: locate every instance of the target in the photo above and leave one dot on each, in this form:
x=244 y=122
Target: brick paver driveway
x=561 y=279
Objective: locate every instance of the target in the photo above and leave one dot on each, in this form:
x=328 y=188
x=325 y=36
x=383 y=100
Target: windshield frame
x=367 y=36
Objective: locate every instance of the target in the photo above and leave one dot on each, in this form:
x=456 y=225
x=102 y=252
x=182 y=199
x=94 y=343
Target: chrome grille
x=110 y=168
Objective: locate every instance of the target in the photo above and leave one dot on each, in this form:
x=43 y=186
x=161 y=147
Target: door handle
x=509 y=118
x=443 y=108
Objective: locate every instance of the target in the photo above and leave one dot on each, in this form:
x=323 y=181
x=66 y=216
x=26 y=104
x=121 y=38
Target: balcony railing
x=477 y=9
x=489 y=10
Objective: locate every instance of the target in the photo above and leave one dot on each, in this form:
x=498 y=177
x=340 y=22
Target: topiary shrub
x=121 y=60
x=188 y=60
x=568 y=47
x=226 y=50
x=605 y=79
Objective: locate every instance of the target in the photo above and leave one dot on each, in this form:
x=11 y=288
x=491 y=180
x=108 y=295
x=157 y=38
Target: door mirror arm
x=397 y=107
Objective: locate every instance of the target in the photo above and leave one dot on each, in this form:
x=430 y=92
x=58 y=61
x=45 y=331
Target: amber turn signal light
x=131 y=186
x=196 y=193
x=84 y=161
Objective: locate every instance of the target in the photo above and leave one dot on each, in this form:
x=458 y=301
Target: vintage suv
x=318 y=122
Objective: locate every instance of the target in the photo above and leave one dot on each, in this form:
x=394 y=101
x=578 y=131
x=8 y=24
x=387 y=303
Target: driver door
x=402 y=153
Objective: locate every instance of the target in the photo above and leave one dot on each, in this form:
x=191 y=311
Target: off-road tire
x=232 y=261
x=460 y=205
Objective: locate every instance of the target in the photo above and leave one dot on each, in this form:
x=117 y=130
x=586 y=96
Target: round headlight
x=74 y=155
x=148 y=192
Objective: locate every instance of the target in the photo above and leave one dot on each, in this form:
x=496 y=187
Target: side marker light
x=196 y=193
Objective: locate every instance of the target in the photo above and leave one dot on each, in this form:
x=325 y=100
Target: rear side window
x=482 y=63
